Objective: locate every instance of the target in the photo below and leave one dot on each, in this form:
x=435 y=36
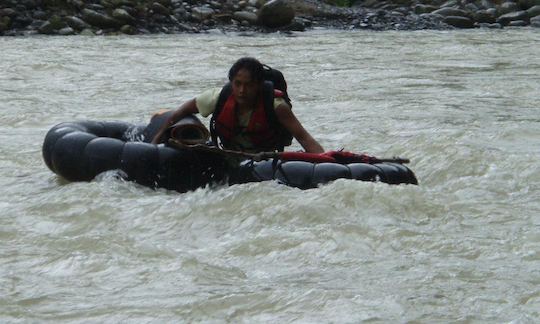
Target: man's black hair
x=255 y=68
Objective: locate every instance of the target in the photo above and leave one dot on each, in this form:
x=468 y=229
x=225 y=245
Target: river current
x=463 y=246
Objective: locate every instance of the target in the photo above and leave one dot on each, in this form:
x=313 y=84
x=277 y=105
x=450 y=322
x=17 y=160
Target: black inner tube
x=79 y=151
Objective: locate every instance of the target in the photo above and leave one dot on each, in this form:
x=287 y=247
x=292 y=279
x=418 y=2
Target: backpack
x=277 y=80
x=276 y=77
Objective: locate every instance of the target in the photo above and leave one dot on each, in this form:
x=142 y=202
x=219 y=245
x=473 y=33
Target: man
x=243 y=122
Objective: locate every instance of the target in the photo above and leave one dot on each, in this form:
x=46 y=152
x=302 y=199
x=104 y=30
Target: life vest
x=263 y=130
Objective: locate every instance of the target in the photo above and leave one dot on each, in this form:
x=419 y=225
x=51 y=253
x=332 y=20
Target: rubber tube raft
x=79 y=151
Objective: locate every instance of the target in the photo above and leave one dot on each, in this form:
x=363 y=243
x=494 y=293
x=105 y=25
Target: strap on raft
x=341 y=157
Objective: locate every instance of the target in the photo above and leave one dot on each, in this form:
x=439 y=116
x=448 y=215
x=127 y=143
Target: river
x=463 y=246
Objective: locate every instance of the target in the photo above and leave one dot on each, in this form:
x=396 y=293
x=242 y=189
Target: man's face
x=245 y=89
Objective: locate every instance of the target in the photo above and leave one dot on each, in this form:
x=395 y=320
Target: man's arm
x=187 y=108
x=287 y=118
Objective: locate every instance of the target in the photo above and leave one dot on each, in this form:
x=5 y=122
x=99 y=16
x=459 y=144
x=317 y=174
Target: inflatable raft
x=79 y=151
